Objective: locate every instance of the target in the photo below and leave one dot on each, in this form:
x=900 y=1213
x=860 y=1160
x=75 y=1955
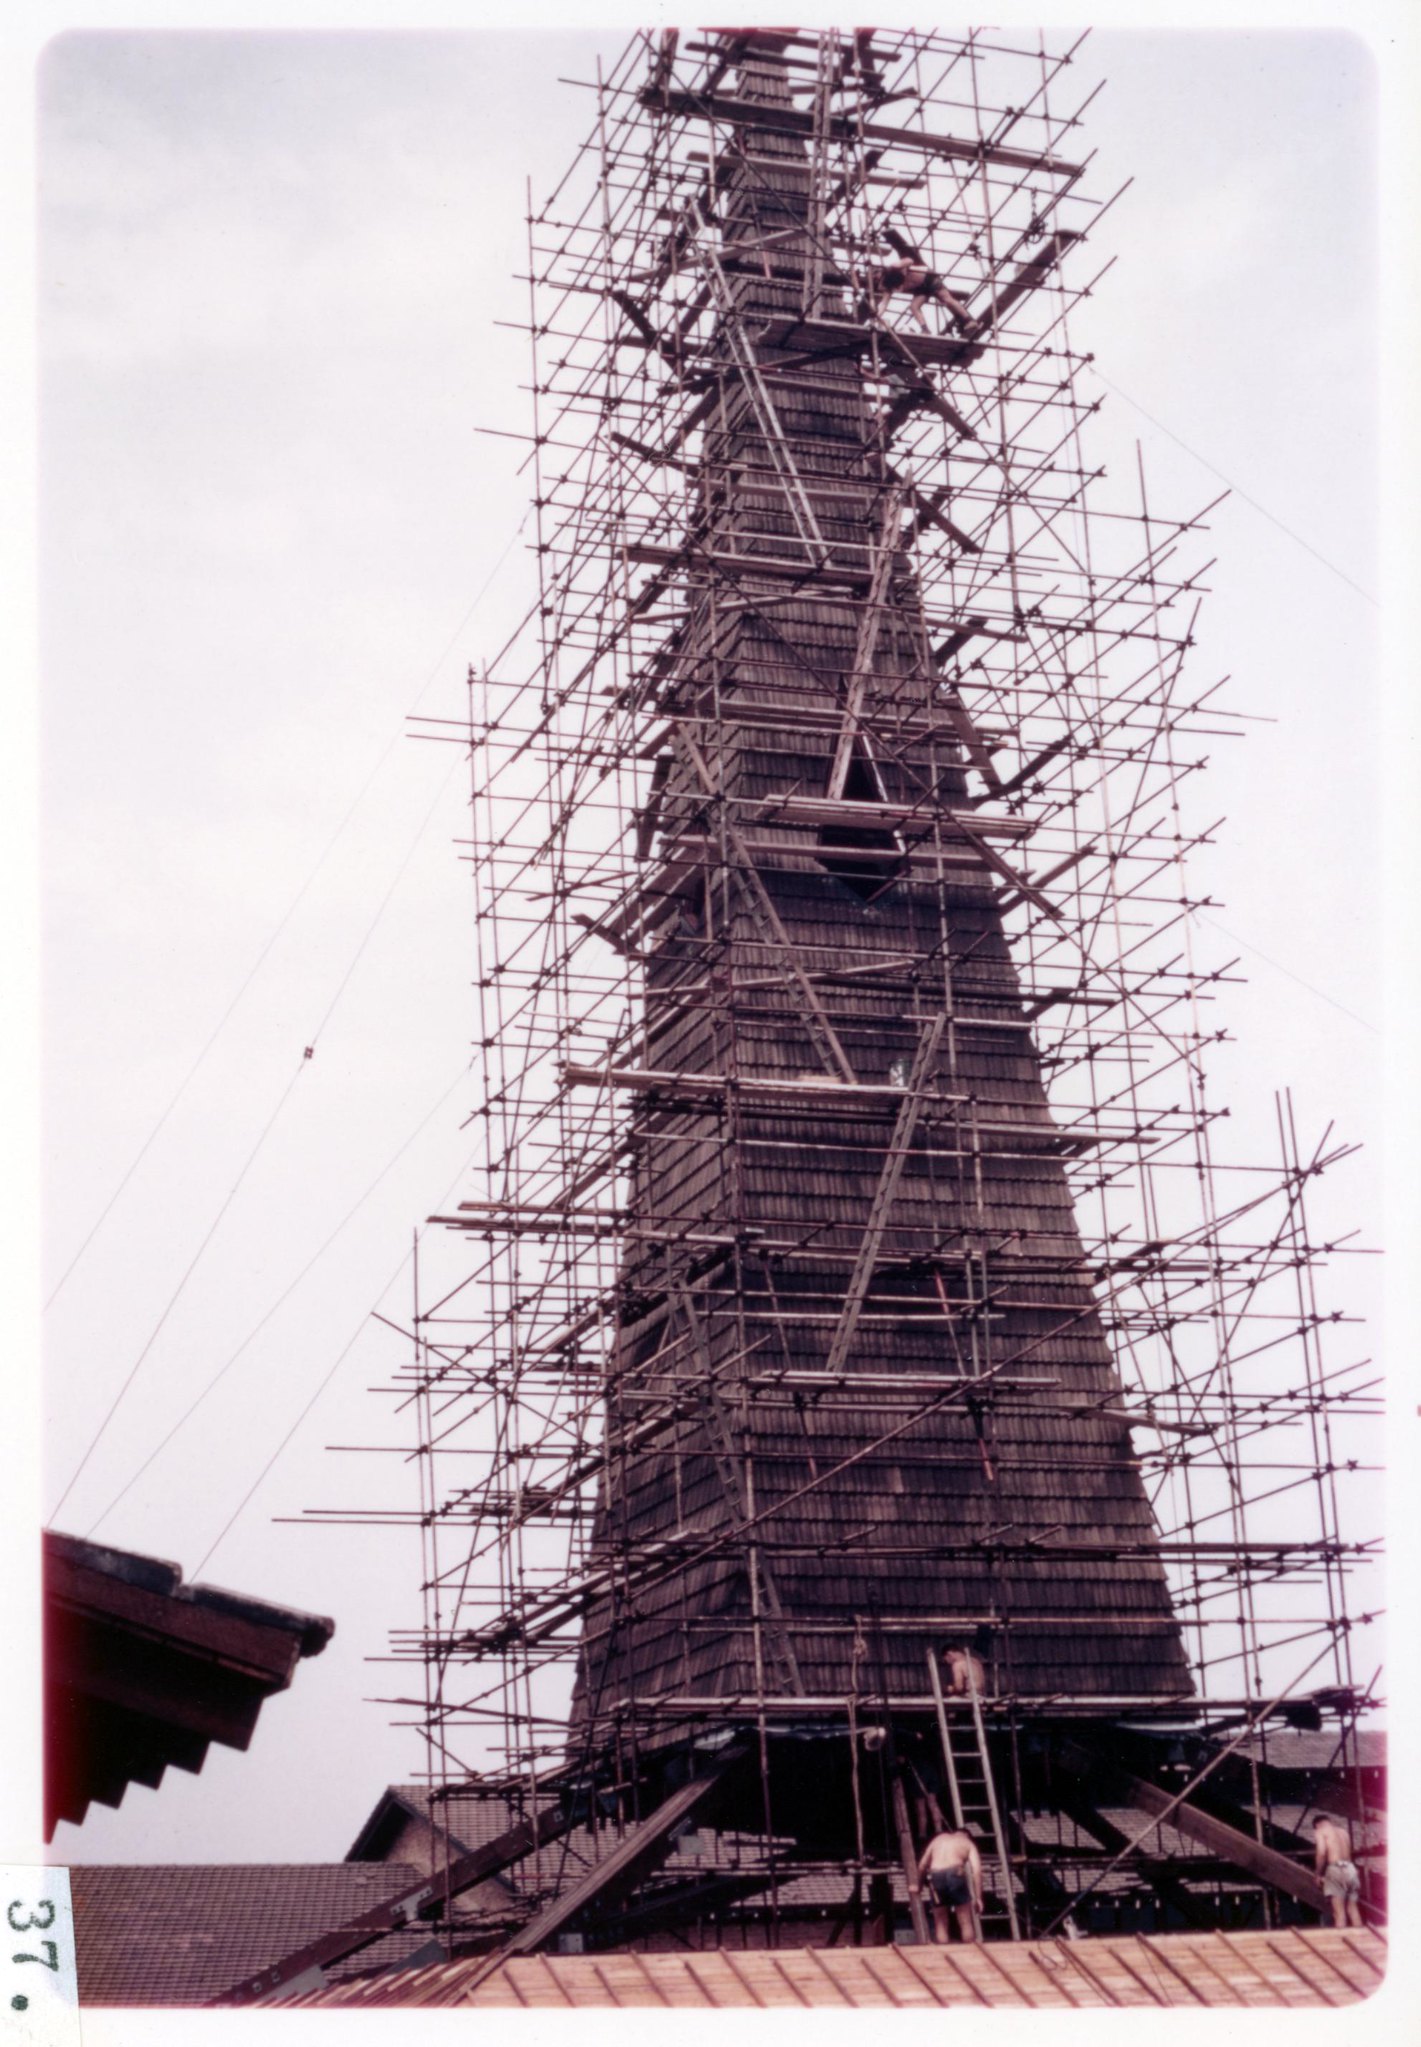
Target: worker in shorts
x=952 y=1869
x=921 y=285
x=1332 y=1858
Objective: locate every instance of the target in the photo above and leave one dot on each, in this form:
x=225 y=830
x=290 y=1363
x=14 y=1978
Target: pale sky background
x=270 y=270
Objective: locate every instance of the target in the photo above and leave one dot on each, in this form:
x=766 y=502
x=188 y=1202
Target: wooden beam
x=824 y=339
x=770 y=566
x=1280 y=1872
x=928 y=508
x=1032 y=273
x=786 y=807
x=1018 y=881
x=908 y=1853
x=1077 y=1806
x=923 y=393
x=782 y=855
x=907 y=1847
x=1052 y=874
x=642 y=1847
x=866 y=641
x=712 y=106
x=813 y=1090
x=696 y=1899
x=771 y=931
x=649 y=336
x=974 y=745
x=398 y=1911
x=885 y=1194
x=737 y=1495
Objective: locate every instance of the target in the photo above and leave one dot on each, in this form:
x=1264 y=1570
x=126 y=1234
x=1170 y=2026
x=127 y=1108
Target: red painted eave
x=143 y=1672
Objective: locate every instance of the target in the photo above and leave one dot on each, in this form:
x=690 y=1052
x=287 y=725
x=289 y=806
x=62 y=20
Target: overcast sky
x=271 y=270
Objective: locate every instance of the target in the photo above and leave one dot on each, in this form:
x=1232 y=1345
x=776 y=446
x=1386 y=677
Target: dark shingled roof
x=143 y=1672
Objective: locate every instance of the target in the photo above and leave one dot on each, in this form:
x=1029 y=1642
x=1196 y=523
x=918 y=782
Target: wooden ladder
x=972 y=1789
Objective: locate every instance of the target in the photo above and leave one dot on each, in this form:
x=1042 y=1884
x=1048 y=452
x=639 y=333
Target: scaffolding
x=844 y=1038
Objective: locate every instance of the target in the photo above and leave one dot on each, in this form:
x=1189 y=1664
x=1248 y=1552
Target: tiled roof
x=1306 y=1750
x=1288 y=1968
x=179 y=1934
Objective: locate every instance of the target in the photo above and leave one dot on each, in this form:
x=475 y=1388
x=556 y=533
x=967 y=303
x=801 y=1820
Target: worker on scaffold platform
x=966 y=1673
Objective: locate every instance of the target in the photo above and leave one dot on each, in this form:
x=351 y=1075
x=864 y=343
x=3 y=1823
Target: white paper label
x=39 y=1983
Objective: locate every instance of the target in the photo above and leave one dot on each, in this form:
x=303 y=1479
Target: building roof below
x=180 y=1934
x=1278 y=1970
x=1319 y=1752
x=467 y=1816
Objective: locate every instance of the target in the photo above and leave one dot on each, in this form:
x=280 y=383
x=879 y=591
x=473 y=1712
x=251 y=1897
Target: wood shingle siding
x=862 y=1504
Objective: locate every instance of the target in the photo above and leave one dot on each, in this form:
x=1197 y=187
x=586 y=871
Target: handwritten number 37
x=33 y=1921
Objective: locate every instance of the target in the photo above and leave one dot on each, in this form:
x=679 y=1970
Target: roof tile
x=1291 y=1968
x=179 y=1933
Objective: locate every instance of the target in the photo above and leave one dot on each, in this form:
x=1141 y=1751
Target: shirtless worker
x=921 y=284
x=1332 y=1859
x=965 y=1672
x=953 y=1870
